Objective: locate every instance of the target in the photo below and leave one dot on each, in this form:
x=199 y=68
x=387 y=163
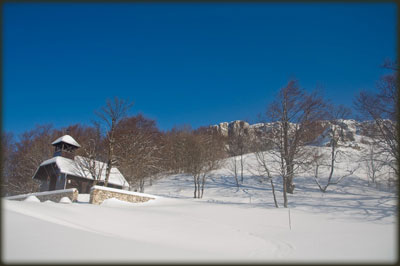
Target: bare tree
x=382 y=108
x=335 y=132
x=319 y=162
x=7 y=152
x=293 y=111
x=174 y=148
x=89 y=163
x=110 y=115
x=373 y=163
x=213 y=155
x=139 y=150
x=26 y=155
x=237 y=146
x=203 y=154
x=193 y=160
x=233 y=167
x=263 y=167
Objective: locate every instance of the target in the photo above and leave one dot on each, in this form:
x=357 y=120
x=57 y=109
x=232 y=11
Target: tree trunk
x=332 y=162
x=236 y=174
x=202 y=185
x=141 y=185
x=110 y=154
x=241 y=167
x=323 y=189
x=198 y=187
x=108 y=171
x=290 y=186
x=195 y=187
x=285 y=201
x=289 y=178
x=273 y=193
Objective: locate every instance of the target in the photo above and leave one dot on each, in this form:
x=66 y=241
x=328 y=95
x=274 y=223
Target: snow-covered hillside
x=351 y=222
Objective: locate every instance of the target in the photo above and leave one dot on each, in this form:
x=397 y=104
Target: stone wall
x=98 y=194
x=54 y=195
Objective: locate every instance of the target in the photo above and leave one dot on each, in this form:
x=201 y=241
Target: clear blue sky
x=190 y=63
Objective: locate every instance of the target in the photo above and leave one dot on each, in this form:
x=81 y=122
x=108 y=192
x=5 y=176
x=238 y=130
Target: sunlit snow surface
x=350 y=223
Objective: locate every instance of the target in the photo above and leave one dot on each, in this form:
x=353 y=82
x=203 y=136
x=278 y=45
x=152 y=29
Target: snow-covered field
x=350 y=223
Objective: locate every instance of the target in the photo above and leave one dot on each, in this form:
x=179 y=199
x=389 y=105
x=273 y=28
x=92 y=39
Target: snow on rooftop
x=66 y=139
x=77 y=167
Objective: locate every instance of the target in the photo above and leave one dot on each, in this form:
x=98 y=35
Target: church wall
x=60 y=181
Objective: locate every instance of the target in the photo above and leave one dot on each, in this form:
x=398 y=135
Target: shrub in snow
x=32 y=199
x=65 y=200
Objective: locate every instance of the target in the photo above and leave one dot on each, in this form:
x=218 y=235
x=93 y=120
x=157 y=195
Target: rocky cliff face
x=351 y=132
x=233 y=128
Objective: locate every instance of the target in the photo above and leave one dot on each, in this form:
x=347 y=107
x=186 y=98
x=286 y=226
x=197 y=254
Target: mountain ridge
x=352 y=132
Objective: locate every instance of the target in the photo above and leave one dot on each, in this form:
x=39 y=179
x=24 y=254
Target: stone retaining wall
x=98 y=194
x=54 y=195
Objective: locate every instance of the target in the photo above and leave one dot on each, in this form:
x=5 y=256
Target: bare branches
x=377 y=163
x=335 y=132
x=390 y=64
x=318 y=160
x=237 y=146
x=233 y=166
x=203 y=153
x=382 y=108
x=25 y=156
x=89 y=164
x=294 y=111
x=111 y=114
x=138 y=150
x=263 y=170
x=114 y=111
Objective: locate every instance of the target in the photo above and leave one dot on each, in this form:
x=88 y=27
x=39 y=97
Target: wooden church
x=65 y=170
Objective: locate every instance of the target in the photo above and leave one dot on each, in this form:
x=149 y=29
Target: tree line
x=133 y=144
x=143 y=153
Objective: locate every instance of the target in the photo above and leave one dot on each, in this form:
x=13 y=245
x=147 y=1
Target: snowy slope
x=352 y=222
x=184 y=230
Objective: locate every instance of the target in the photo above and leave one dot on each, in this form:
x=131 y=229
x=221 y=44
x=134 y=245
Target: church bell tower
x=65 y=146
